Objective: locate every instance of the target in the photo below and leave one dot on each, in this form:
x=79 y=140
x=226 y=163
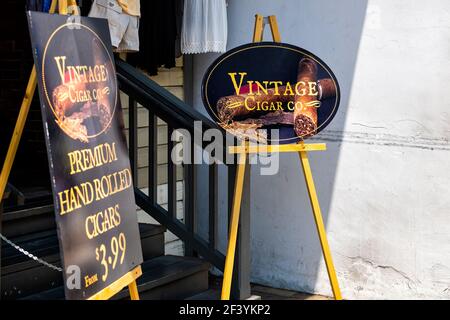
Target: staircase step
x=210 y=294
x=165 y=277
x=21 y=276
x=28 y=220
x=173 y=277
x=41 y=244
x=31 y=196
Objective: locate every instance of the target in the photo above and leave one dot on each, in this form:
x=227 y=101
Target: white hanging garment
x=204 y=26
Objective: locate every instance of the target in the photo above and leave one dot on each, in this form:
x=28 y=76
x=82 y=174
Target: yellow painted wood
x=62 y=6
x=235 y=213
x=274 y=28
x=18 y=130
x=20 y=123
x=73 y=8
x=259 y=28
x=126 y=280
x=134 y=293
x=53 y=6
x=319 y=224
x=123 y=56
x=278 y=148
x=302 y=148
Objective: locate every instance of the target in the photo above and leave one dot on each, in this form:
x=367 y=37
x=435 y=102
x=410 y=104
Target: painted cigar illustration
x=82 y=102
x=305 y=113
x=284 y=105
x=298 y=95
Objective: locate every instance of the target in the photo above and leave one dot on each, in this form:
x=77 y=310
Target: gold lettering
x=85 y=159
x=276 y=84
x=61 y=64
x=246 y=102
x=313 y=88
x=64 y=202
x=288 y=90
x=237 y=88
x=302 y=86
x=102 y=221
x=261 y=87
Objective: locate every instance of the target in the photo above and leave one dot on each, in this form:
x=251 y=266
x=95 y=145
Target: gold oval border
x=270 y=46
x=45 y=87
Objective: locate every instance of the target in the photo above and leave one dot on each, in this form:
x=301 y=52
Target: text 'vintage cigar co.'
x=268 y=85
x=88 y=157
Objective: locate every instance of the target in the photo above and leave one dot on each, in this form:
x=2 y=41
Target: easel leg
x=18 y=129
x=259 y=28
x=231 y=250
x=319 y=224
x=62 y=6
x=274 y=28
x=134 y=293
x=20 y=123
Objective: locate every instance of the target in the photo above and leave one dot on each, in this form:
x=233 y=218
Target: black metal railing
x=161 y=104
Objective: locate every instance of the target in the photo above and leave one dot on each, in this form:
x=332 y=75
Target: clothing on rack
x=46 y=5
x=179 y=7
x=204 y=26
x=123 y=21
x=157 y=33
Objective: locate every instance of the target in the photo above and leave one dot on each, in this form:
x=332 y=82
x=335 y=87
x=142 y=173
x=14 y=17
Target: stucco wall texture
x=383 y=183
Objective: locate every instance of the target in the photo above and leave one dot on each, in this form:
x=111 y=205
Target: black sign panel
x=88 y=157
x=268 y=85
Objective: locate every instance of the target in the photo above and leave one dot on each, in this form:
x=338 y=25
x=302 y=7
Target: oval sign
x=267 y=85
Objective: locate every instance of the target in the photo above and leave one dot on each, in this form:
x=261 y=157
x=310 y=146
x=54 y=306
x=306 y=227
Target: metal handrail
x=160 y=103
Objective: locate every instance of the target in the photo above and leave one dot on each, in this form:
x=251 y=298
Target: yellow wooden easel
x=302 y=148
x=129 y=279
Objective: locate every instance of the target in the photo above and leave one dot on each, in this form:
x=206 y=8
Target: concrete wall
x=383 y=183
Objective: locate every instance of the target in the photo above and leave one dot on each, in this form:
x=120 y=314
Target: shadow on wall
x=285 y=248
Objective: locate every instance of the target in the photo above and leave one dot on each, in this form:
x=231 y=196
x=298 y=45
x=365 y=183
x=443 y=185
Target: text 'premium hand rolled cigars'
x=258 y=87
x=93 y=196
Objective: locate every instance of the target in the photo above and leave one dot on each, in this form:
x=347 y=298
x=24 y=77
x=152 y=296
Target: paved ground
x=267 y=293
